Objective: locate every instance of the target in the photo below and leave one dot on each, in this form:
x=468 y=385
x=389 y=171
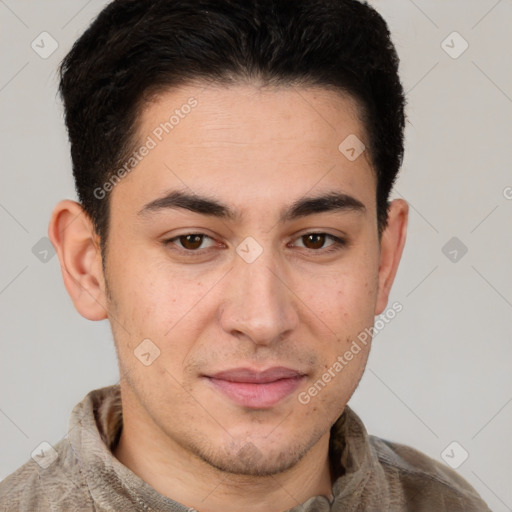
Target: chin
x=258 y=465
x=249 y=460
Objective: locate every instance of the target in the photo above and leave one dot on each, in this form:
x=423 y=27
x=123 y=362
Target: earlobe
x=392 y=245
x=72 y=234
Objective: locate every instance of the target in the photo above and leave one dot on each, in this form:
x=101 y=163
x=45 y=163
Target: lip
x=257 y=389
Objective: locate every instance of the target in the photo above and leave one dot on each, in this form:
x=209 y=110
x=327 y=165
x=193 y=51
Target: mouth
x=257 y=389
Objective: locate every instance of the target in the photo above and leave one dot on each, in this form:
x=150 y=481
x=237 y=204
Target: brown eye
x=314 y=240
x=189 y=242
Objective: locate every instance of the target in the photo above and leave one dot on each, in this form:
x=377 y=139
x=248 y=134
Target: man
x=233 y=162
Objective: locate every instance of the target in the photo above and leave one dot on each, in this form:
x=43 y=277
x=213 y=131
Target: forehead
x=253 y=114
x=249 y=143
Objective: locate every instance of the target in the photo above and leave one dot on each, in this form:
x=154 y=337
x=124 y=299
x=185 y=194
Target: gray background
x=439 y=372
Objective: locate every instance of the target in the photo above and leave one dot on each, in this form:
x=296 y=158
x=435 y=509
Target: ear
x=391 y=247
x=73 y=236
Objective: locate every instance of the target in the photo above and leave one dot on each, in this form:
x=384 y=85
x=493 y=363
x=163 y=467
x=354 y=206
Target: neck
x=185 y=478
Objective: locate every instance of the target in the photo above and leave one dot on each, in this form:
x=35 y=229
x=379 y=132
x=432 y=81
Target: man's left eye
x=317 y=240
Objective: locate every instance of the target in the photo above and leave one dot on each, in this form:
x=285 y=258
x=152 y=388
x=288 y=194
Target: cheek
x=142 y=286
x=155 y=302
x=344 y=299
x=345 y=303
x=142 y=302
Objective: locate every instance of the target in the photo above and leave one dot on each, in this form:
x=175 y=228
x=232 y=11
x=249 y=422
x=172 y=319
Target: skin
x=257 y=150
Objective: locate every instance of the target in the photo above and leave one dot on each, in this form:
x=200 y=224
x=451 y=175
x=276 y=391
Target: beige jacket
x=372 y=474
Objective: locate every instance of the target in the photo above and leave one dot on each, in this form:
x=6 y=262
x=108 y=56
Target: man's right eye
x=189 y=242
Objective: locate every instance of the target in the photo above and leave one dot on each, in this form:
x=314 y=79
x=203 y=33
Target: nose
x=259 y=304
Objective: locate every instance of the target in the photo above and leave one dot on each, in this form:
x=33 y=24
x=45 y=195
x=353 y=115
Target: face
x=248 y=302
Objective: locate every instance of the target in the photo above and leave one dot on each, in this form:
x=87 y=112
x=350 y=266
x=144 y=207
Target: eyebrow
x=327 y=202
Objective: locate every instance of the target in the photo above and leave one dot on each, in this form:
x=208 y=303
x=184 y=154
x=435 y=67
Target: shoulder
x=59 y=486
x=424 y=481
x=22 y=490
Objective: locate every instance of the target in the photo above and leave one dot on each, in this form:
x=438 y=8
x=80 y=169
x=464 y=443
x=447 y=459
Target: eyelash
x=337 y=245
